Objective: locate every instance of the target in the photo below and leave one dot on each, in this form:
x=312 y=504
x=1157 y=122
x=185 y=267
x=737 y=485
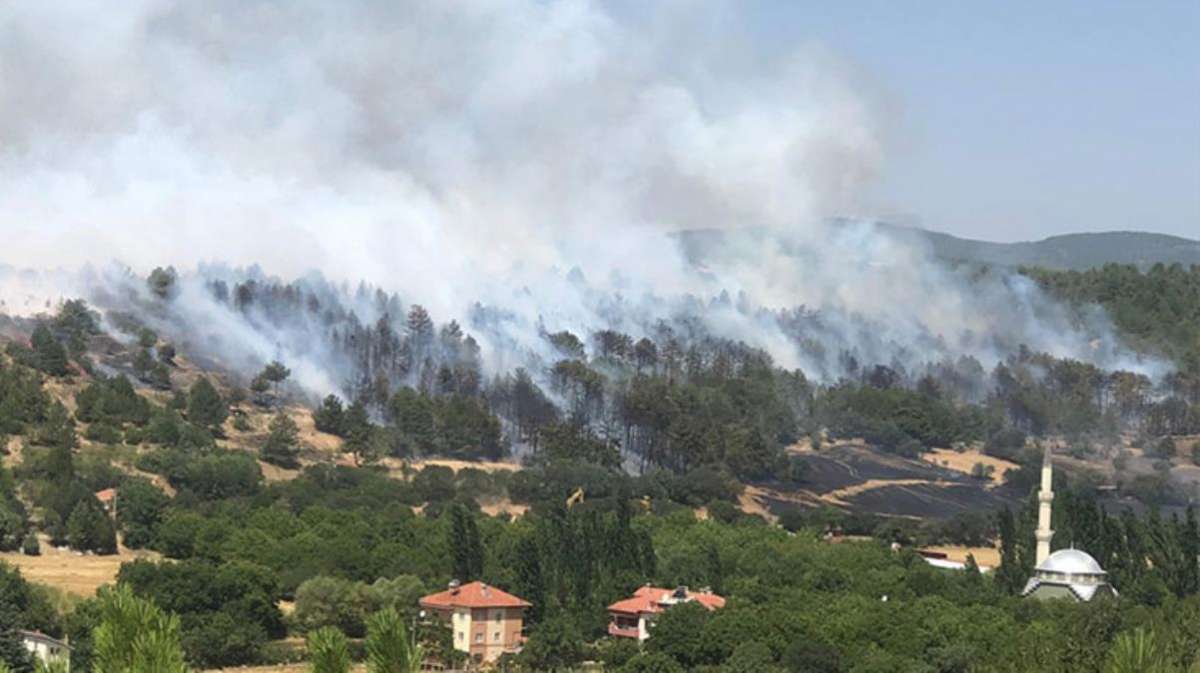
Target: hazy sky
x=1012 y=120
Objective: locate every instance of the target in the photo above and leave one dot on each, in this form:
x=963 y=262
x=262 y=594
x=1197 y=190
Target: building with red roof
x=486 y=621
x=633 y=617
x=108 y=500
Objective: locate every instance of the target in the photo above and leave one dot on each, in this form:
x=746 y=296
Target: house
x=633 y=617
x=45 y=648
x=108 y=500
x=486 y=621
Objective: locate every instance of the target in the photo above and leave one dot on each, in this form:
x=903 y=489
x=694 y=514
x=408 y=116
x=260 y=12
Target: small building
x=108 y=500
x=486 y=621
x=46 y=648
x=633 y=617
x=1072 y=574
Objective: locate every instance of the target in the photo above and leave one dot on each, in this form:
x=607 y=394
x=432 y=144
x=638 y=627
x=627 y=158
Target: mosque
x=1067 y=573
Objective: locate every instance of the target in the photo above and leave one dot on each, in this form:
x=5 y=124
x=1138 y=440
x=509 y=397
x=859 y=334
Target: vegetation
x=649 y=428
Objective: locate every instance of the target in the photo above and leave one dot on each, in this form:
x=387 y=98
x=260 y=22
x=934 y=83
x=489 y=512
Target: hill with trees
x=250 y=494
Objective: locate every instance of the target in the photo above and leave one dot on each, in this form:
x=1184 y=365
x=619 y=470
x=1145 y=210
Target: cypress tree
x=466 y=545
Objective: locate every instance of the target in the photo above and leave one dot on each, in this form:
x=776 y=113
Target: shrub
x=30 y=546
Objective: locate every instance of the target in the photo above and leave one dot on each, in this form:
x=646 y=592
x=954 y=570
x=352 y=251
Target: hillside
x=697 y=462
x=1071 y=251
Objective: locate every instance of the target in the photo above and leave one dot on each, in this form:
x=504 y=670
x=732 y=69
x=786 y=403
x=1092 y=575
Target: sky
x=1018 y=120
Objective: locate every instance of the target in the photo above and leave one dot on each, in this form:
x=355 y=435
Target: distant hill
x=1071 y=251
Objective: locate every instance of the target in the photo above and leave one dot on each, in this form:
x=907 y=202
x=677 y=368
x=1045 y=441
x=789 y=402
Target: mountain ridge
x=1077 y=251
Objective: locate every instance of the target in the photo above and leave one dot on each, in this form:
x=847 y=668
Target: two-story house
x=486 y=621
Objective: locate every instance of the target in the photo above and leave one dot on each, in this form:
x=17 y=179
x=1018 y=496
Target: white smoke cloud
x=469 y=151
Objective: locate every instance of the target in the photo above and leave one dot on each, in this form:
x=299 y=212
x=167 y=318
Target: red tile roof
x=473 y=595
x=649 y=599
x=106 y=495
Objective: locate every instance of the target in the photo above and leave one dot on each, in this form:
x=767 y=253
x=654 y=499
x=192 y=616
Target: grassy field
x=79 y=574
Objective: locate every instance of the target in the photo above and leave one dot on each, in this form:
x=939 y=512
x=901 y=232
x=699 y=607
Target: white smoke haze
x=473 y=152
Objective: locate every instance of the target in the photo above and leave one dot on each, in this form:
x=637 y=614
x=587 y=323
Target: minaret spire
x=1045 y=497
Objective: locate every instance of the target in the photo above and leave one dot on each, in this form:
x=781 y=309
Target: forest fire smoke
x=517 y=166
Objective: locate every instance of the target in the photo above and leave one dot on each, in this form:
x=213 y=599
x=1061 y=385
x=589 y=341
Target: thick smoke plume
x=532 y=158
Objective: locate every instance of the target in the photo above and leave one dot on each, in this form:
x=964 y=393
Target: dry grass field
x=78 y=574
x=965 y=461
x=986 y=557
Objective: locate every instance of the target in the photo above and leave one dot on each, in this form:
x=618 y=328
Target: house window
x=460 y=635
x=496 y=637
x=479 y=637
x=497 y=616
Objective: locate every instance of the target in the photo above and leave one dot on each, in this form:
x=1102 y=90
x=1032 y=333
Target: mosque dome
x=1071 y=562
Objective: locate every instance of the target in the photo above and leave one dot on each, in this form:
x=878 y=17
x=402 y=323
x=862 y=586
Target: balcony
x=622 y=631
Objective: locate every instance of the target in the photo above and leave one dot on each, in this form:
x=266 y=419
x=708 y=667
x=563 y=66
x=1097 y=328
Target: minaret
x=1045 y=496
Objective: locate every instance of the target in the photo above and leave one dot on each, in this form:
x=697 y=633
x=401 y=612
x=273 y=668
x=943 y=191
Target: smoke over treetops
x=519 y=167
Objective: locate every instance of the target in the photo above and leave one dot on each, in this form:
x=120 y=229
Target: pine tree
x=357 y=429
x=275 y=374
x=205 y=406
x=135 y=635
x=282 y=446
x=49 y=354
x=329 y=417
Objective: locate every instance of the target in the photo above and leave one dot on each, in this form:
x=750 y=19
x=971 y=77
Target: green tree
x=332 y=601
x=140 y=511
x=652 y=663
x=679 y=633
x=275 y=373
x=282 y=447
x=49 y=355
x=205 y=406
x=89 y=528
x=329 y=416
x=388 y=646
x=135 y=636
x=328 y=651
x=357 y=430
x=12 y=650
x=554 y=645
x=465 y=544
x=161 y=282
x=30 y=546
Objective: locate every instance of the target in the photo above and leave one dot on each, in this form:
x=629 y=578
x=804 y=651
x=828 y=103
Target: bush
x=982 y=471
x=103 y=433
x=30 y=546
